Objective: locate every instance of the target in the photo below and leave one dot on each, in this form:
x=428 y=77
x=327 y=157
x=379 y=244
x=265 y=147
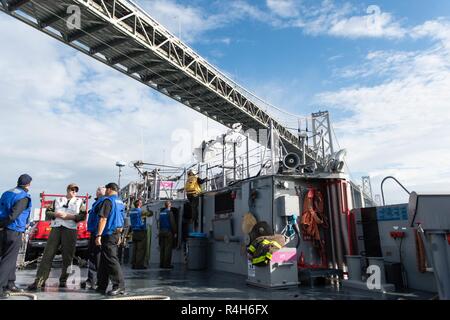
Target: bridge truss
x=122 y=35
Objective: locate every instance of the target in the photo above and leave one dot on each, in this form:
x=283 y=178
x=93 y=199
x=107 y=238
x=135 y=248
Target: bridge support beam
x=108 y=45
x=53 y=19
x=13 y=5
x=128 y=56
x=84 y=32
x=170 y=62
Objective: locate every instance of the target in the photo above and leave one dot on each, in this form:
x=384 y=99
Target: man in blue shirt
x=15 y=209
x=109 y=227
x=167 y=232
x=140 y=240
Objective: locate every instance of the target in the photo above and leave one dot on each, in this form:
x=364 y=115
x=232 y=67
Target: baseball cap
x=113 y=186
x=24 y=180
x=73 y=186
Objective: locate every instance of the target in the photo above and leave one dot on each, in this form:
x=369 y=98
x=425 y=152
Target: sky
x=381 y=68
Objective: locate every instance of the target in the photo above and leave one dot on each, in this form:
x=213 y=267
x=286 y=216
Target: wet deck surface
x=180 y=284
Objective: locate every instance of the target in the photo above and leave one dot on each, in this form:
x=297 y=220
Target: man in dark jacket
x=167 y=232
x=15 y=209
x=110 y=225
x=139 y=229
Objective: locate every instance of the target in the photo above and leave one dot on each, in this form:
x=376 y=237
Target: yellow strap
x=251 y=249
x=259 y=260
x=264 y=258
x=276 y=244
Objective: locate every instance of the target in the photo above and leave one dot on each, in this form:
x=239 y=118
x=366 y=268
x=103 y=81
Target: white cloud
x=185 y=21
x=377 y=24
x=65 y=117
x=318 y=19
x=331 y=19
x=284 y=8
x=399 y=126
x=240 y=9
x=438 y=29
x=345 y=22
x=192 y=22
x=336 y=57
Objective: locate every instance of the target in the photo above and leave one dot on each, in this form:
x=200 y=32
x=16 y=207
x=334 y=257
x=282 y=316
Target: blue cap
x=24 y=180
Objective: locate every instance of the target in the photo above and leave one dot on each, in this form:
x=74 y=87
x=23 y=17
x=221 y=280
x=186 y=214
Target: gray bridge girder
x=13 y=5
x=124 y=57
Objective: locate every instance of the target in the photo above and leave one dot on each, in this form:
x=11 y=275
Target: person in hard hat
x=139 y=229
x=193 y=190
x=110 y=226
x=15 y=209
x=68 y=212
x=167 y=233
x=93 y=250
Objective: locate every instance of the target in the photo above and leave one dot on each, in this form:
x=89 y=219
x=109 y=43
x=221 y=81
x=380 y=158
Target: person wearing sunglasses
x=68 y=211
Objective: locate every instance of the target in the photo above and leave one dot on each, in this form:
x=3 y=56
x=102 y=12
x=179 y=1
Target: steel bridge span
x=123 y=36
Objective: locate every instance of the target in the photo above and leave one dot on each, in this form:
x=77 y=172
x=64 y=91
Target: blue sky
x=308 y=55
x=257 y=52
x=385 y=84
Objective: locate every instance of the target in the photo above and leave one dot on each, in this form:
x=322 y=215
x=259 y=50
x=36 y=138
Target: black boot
x=13 y=289
x=100 y=290
x=38 y=284
x=4 y=295
x=63 y=280
x=88 y=285
x=116 y=291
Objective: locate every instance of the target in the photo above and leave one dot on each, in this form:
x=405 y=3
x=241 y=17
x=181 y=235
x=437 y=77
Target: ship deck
x=182 y=284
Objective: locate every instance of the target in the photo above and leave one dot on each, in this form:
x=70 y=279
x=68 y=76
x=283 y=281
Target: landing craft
x=289 y=219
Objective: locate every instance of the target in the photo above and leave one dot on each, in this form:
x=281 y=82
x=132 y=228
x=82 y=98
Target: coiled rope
x=135 y=298
x=24 y=294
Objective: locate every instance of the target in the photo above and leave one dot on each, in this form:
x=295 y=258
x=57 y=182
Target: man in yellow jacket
x=193 y=190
